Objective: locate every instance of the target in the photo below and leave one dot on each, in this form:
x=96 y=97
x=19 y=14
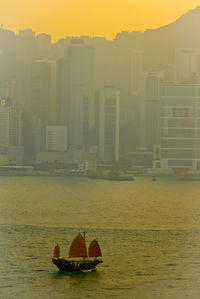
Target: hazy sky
x=86 y=17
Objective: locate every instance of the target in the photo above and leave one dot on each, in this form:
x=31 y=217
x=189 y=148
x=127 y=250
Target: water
x=149 y=233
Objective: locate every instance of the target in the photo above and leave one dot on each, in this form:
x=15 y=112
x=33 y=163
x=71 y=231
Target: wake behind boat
x=79 y=259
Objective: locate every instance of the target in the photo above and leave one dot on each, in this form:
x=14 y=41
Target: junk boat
x=79 y=259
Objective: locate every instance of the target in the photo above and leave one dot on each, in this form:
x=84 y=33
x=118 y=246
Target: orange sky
x=86 y=17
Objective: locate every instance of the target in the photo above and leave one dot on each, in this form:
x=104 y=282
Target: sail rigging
x=78 y=247
x=94 y=249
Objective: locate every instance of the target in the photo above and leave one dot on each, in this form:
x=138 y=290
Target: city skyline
x=63 y=19
x=95 y=100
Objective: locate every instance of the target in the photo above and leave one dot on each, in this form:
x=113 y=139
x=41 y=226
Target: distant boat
x=112 y=177
x=120 y=177
x=79 y=259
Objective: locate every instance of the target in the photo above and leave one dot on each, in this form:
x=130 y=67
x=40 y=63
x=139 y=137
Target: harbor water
x=149 y=233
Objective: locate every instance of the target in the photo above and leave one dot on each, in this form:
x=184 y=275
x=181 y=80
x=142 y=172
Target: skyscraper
x=180 y=126
x=109 y=102
x=80 y=94
x=148 y=111
x=136 y=70
x=56 y=138
x=187 y=65
x=42 y=91
x=5 y=110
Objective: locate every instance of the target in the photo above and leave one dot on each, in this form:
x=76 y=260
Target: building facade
x=109 y=124
x=5 y=116
x=148 y=111
x=180 y=126
x=56 y=138
x=187 y=65
x=80 y=95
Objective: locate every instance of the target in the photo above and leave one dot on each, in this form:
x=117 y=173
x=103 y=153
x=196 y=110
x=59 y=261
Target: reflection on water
x=148 y=231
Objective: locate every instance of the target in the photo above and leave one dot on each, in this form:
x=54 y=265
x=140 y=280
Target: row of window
x=180 y=101
x=180 y=123
x=180 y=153
x=180 y=143
x=175 y=90
x=180 y=133
x=180 y=112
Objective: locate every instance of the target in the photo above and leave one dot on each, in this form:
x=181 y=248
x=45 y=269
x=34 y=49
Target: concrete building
x=62 y=92
x=148 y=111
x=136 y=70
x=187 y=65
x=5 y=115
x=80 y=95
x=27 y=33
x=109 y=102
x=56 y=138
x=180 y=126
x=8 y=98
x=16 y=126
x=44 y=42
x=42 y=91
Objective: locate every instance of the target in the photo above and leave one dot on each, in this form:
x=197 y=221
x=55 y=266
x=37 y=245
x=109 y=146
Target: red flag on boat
x=94 y=249
x=78 y=247
x=56 y=253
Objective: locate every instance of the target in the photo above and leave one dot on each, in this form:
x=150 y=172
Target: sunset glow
x=63 y=18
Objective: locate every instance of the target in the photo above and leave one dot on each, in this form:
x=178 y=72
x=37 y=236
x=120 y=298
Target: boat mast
x=84 y=241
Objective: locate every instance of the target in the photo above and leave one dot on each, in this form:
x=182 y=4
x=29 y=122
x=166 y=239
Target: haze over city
x=100 y=139
x=87 y=99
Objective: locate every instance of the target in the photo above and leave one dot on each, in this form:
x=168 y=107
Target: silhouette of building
x=43 y=42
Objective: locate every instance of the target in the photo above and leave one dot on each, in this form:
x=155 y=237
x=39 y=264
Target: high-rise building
x=9 y=94
x=109 y=102
x=44 y=42
x=136 y=70
x=148 y=111
x=56 y=138
x=27 y=33
x=80 y=94
x=180 y=126
x=42 y=91
x=62 y=91
x=5 y=112
x=187 y=65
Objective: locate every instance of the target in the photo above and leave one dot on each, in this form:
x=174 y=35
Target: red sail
x=78 y=248
x=56 y=253
x=94 y=249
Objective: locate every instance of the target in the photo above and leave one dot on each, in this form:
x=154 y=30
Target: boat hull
x=110 y=178
x=75 y=266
